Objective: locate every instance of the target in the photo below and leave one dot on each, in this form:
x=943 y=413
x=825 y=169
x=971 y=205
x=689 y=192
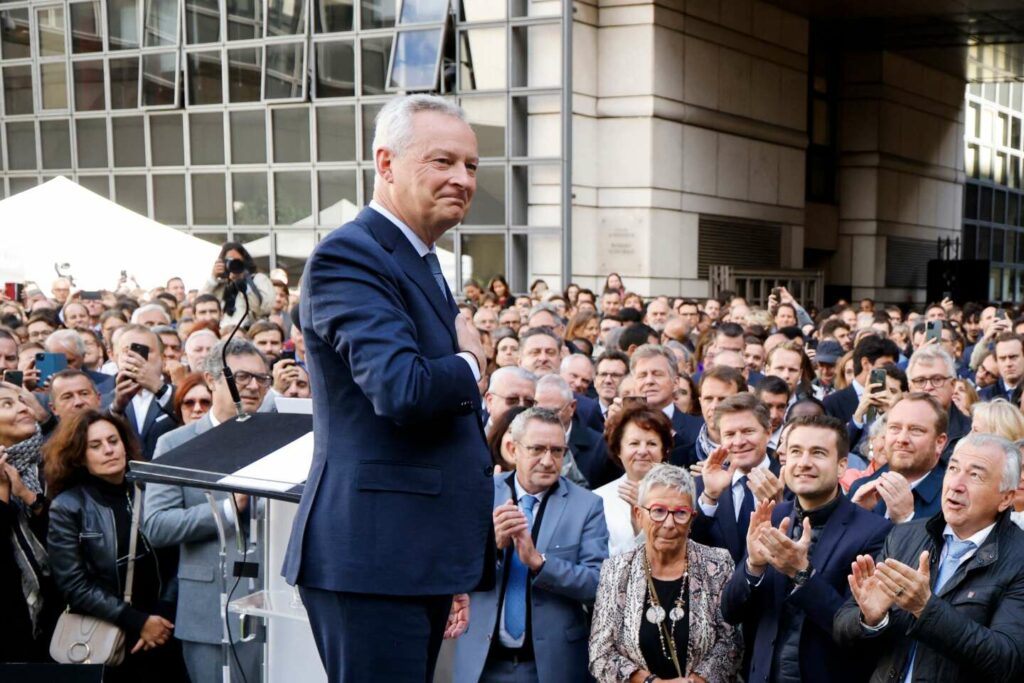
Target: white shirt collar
x=520 y=492
x=418 y=244
x=669 y=410
x=977 y=539
x=213 y=418
x=764 y=464
x=859 y=388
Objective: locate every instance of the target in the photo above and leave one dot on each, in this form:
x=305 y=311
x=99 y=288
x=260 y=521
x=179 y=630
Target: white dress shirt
x=736 y=490
x=618 y=514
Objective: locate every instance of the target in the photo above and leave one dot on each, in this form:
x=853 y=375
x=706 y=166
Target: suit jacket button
x=489 y=471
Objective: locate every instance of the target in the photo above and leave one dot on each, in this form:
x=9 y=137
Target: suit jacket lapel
x=151 y=414
x=556 y=503
x=835 y=529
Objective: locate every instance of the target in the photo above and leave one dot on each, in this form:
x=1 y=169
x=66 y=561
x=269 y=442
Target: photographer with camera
x=235 y=272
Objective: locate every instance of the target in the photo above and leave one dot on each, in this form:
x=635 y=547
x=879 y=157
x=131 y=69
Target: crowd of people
x=684 y=490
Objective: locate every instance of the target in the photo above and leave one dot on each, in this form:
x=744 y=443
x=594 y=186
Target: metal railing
x=807 y=286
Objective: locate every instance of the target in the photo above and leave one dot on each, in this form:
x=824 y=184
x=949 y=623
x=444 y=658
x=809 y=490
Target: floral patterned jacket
x=715 y=648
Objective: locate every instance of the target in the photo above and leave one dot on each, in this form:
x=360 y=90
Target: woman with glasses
x=638 y=439
x=193 y=398
x=656 y=616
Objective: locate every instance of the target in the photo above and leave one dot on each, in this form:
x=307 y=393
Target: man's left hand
x=764 y=485
x=896 y=492
x=910 y=588
x=458 y=618
x=786 y=555
x=527 y=552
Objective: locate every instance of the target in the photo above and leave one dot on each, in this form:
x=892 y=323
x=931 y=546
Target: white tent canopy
x=61 y=222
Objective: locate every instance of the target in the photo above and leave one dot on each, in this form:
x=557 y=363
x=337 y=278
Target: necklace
x=656 y=614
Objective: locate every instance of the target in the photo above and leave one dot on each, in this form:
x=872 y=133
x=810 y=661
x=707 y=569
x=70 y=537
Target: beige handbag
x=82 y=639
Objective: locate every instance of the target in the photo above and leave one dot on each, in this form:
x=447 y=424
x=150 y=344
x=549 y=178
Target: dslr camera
x=234 y=266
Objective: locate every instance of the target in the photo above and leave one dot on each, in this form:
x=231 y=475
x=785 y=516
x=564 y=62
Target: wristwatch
x=800 y=578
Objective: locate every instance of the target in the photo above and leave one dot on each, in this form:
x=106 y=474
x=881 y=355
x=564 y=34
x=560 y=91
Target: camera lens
x=234 y=266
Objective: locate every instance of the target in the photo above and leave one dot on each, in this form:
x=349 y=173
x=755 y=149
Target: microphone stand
x=229 y=376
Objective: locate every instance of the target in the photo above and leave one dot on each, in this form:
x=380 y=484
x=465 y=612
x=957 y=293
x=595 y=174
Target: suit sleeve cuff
x=872 y=630
x=471 y=361
x=708 y=510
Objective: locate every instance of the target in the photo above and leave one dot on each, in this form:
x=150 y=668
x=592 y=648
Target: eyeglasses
x=526 y=401
x=193 y=402
x=243 y=378
x=922 y=382
x=539 y=451
x=659 y=513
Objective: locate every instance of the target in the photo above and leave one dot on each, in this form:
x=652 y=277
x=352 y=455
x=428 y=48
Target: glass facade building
x=252 y=119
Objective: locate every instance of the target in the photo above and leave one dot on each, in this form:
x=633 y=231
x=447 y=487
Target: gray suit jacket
x=574 y=540
x=178 y=515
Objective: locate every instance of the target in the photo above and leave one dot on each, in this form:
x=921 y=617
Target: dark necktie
x=746 y=508
x=435 y=269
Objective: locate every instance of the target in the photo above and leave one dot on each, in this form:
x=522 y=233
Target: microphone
x=229 y=376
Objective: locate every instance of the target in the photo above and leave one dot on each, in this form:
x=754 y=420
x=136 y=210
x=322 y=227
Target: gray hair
x=235 y=347
x=67 y=339
x=876 y=429
x=150 y=307
x=518 y=426
x=1011 y=466
x=200 y=333
x=510 y=371
x=673 y=345
x=544 y=307
x=567 y=361
x=393 y=128
x=669 y=476
x=556 y=382
x=653 y=351
x=930 y=355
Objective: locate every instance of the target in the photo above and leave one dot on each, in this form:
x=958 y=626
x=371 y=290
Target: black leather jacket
x=82 y=543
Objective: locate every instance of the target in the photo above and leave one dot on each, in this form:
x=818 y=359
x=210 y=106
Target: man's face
x=786 y=365
x=933 y=378
x=197 y=349
x=657 y=314
x=785 y=317
x=724 y=343
x=988 y=372
x=753 y=357
x=849 y=318
x=731 y=359
x=177 y=288
x=172 y=346
x=611 y=303
x=299 y=388
x=486 y=319
x=712 y=308
x=609 y=376
x=110 y=325
x=549 y=397
x=432 y=183
x=654 y=380
x=72 y=395
x=152 y=318
x=8 y=354
x=546 y=319
x=988 y=316
x=507 y=393
x=971 y=499
x=1010 y=361
x=38 y=331
x=537 y=467
x=910 y=439
x=76 y=317
x=935 y=313
x=826 y=373
x=510 y=318
x=813 y=467
x=270 y=342
x=777 y=404
x=607 y=325
x=61 y=290
x=125 y=341
x=280 y=299
x=539 y=355
x=690 y=314
x=971 y=328
x=745 y=438
x=253 y=379
x=579 y=373
x=712 y=392
x=842 y=335
x=208 y=310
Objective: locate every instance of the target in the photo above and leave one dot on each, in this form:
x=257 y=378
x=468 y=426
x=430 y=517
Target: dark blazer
x=927 y=494
x=995 y=390
x=971 y=630
x=104 y=382
x=724 y=530
x=589 y=411
x=849 y=531
x=591 y=453
x=687 y=430
x=400 y=466
x=959 y=427
x=159 y=420
x=842 y=404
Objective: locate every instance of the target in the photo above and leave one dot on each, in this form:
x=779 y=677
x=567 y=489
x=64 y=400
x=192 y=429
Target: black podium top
x=214 y=459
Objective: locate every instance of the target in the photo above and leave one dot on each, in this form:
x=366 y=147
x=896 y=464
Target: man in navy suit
x=932 y=370
x=1009 y=353
x=909 y=486
x=395 y=515
x=794 y=576
x=696 y=437
x=872 y=352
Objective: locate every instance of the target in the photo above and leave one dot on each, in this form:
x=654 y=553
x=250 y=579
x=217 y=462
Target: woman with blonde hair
x=844 y=371
x=998 y=416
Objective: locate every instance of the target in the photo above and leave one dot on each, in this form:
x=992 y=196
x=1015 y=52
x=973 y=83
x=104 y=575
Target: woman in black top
x=89 y=537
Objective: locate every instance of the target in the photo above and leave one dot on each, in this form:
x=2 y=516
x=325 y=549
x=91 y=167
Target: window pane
x=292 y=198
x=54 y=84
x=168 y=141
x=339 y=202
x=536 y=56
x=204 y=78
x=370 y=112
x=159 y=74
x=129 y=141
x=202 y=21
x=89 y=85
x=130 y=191
x=488 y=207
x=91 y=141
x=208 y=199
x=15 y=38
x=369 y=175
x=169 y=199
x=333 y=15
x=245 y=19
x=21 y=146
x=56 y=142
x=18 y=90
x=85 y=27
x=161 y=23
x=50 y=21
x=123 y=24
x=249 y=193
x=376 y=52
x=487 y=117
x=286 y=17
x=285 y=71
x=99 y=184
x=483 y=256
x=206 y=138
x=336 y=133
x=378 y=13
x=424 y=10
x=335 y=69
x=415 y=64
x=248 y=137
x=482 y=59
x=22 y=184
x=482 y=10
x=124 y=83
x=244 y=67
x=291 y=134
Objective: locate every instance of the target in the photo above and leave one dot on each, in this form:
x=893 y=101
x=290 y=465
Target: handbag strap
x=133 y=543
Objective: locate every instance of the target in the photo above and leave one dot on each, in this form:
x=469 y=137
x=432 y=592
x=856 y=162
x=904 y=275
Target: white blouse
x=617 y=514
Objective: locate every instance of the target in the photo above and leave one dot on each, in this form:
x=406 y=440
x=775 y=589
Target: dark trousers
x=376 y=637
